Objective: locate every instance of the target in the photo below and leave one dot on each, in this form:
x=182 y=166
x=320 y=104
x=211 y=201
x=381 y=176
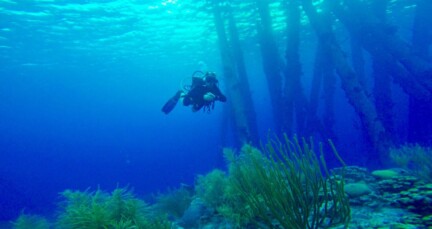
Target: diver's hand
x=209 y=97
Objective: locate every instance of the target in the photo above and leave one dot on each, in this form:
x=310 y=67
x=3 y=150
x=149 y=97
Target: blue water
x=76 y=130
x=81 y=88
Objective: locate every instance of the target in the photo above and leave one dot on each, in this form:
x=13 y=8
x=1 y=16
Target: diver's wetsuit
x=196 y=95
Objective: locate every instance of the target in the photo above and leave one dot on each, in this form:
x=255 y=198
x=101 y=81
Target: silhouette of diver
x=203 y=92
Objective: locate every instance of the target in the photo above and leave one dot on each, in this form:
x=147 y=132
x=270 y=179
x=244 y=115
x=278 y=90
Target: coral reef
x=210 y=188
x=219 y=194
x=285 y=186
x=94 y=210
x=174 y=203
x=26 y=221
x=281 y=187
x=395 y=199
x=414 y=158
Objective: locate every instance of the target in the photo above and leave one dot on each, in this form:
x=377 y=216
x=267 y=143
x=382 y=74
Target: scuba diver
x=203 y=93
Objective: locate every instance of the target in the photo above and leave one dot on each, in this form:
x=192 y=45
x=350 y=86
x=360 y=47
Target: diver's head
x=210 y=78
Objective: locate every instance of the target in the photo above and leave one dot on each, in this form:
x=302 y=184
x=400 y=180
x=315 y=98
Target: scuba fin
x=171 y=103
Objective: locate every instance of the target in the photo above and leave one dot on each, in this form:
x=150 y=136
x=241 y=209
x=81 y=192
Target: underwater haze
x=82 y=84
